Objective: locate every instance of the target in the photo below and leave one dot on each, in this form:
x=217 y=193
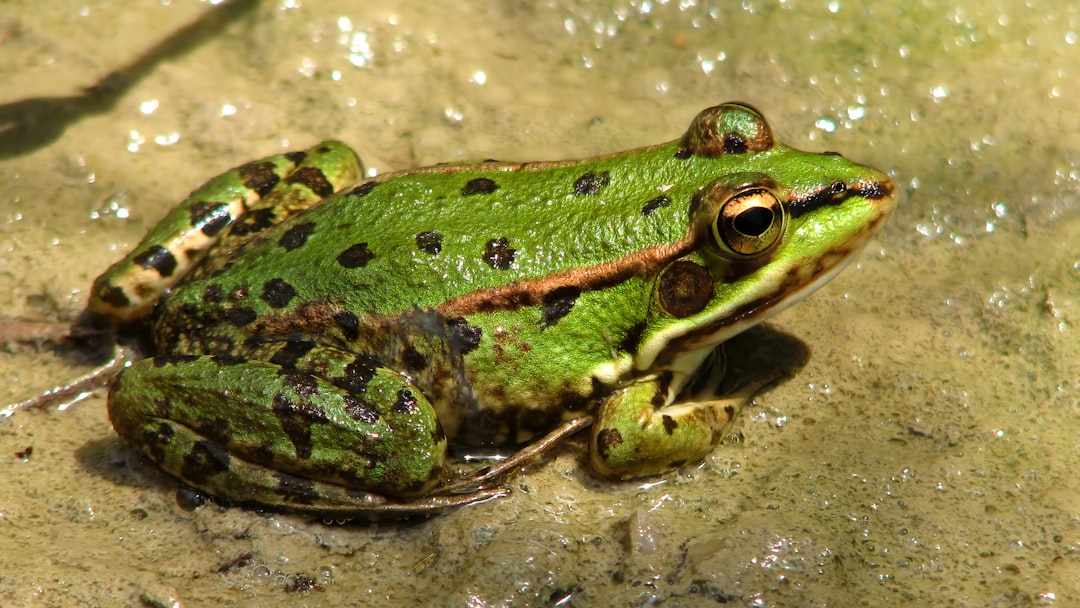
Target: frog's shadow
x=109 y=459
x=759 y=352
x=157 y=493
x=763 y=351
x=32 y=123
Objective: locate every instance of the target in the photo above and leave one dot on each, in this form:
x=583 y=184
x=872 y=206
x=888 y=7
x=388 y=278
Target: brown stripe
x=531 y=292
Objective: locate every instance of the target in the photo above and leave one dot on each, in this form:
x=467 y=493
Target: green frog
x=318 y=344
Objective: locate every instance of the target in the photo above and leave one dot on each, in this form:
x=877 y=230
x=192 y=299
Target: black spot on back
x=160 y=437
x=650 y=207
x=188 y=310
x=429 y=242
x=669 y=424
x=302 y=383
x=212 y=293
x=277 y=293
x=479 y=185
x=659 y=398
x=216 y=429
x=296 y=236
x=296 y=157
x=157 y=258
x=499 y=254
x=591 y=183
x=356 y=256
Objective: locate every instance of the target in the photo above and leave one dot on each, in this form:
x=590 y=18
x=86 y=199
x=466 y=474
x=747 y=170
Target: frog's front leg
x=260 y=194
x=636 y=434
x=253 y=431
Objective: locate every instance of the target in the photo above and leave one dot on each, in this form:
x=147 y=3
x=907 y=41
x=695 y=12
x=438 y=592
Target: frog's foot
x=331 y=501
x=495 y=474
x=76 y=389
x=632 y=437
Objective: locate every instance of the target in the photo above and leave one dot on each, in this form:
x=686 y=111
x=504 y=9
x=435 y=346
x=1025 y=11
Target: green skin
x=320 y=351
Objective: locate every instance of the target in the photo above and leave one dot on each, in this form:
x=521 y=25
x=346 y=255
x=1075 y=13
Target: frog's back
x=452 y=237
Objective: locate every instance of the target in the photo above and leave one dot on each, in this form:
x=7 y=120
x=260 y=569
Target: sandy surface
x=924 y=455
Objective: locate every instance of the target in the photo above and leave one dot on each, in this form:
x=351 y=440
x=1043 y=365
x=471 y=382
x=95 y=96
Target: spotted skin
x=319 y=344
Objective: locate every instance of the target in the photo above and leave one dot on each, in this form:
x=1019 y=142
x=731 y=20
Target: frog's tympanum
x=319 y=344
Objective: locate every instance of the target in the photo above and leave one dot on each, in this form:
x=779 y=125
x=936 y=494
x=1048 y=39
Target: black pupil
x=754 y=221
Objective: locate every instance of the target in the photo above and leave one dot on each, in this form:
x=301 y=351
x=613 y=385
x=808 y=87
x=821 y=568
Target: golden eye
x=750 y=222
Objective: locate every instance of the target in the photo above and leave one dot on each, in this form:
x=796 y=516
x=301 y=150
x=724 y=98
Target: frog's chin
x=683 y=353
x=688 y=364
x=791 y=295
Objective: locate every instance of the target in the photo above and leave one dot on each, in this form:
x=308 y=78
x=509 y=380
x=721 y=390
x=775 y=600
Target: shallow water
x=924 y=454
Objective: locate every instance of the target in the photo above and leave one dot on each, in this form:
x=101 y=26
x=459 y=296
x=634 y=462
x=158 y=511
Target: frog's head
x=776 y=225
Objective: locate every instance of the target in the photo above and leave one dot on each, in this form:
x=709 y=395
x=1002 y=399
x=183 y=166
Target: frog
x=321 y=339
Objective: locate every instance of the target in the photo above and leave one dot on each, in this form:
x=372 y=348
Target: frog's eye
x=750 y=222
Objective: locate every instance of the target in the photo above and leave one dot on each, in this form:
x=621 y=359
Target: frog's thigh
x=632 y=437
x=256 y=431
x=258 y=195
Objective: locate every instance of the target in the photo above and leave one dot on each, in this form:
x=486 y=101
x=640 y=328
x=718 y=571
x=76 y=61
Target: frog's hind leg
x=317 y=173
x=261 y=432
x=128 y=290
